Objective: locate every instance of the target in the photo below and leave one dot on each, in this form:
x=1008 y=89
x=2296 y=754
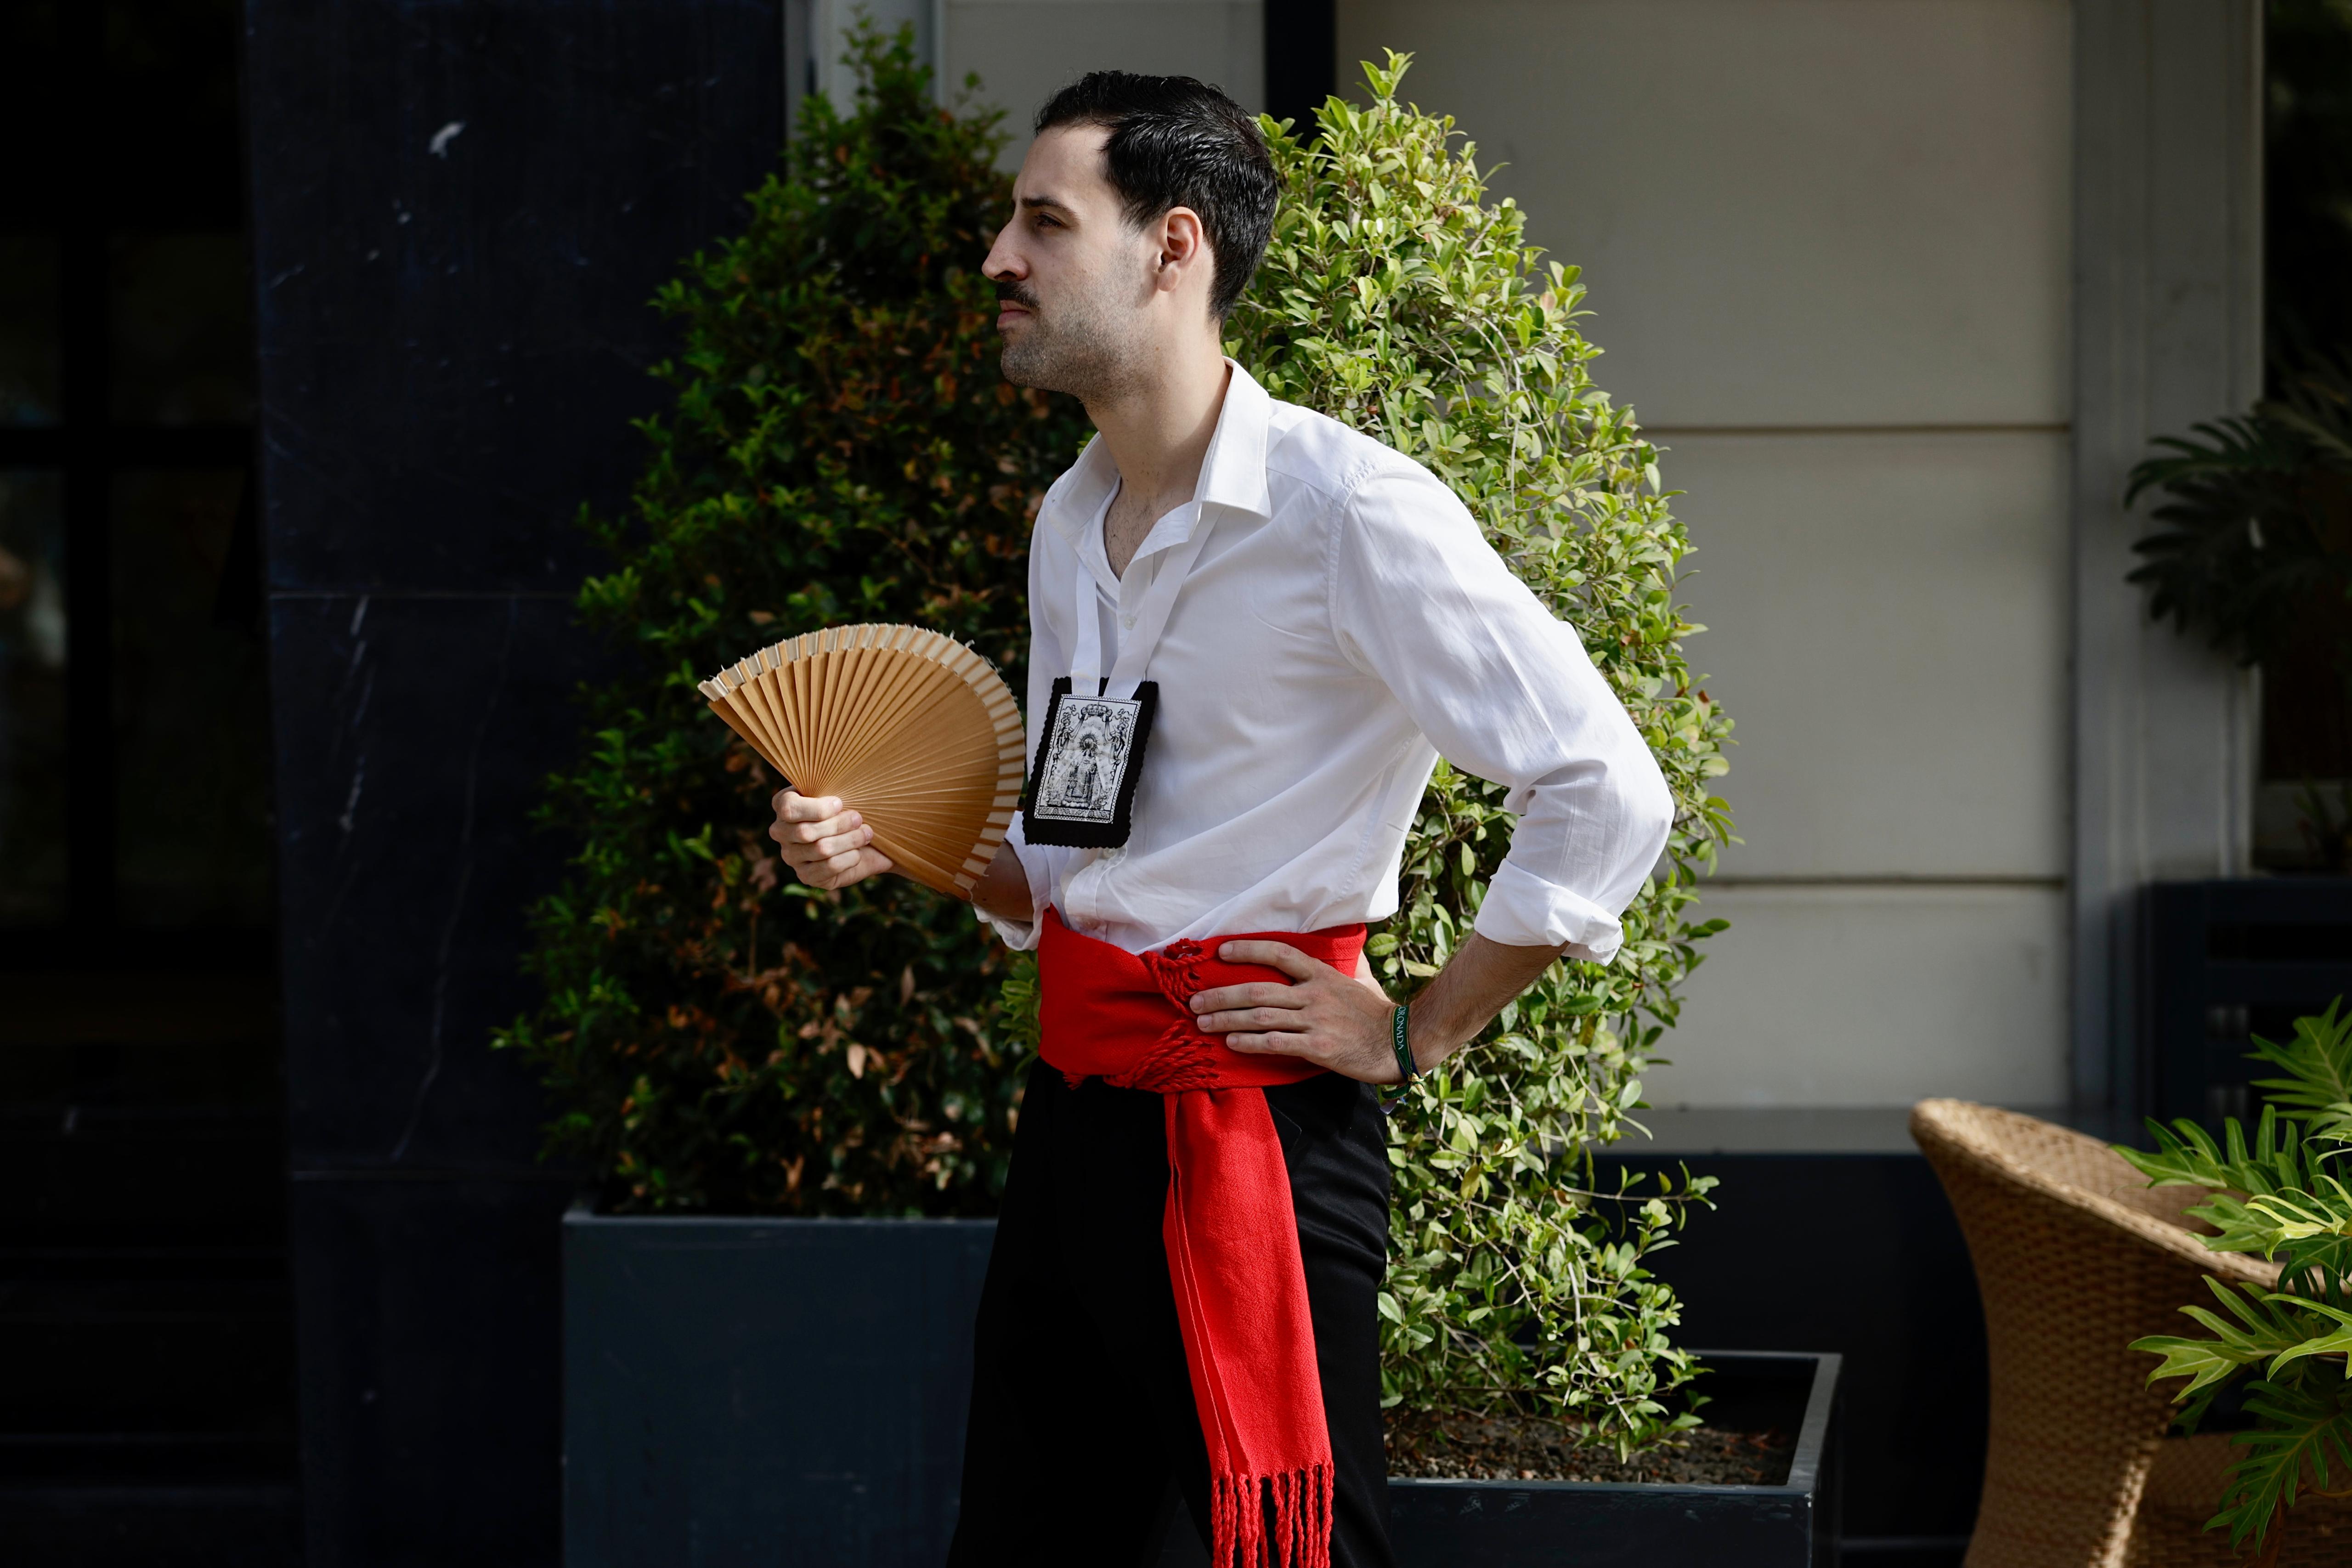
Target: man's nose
x=1003 y=262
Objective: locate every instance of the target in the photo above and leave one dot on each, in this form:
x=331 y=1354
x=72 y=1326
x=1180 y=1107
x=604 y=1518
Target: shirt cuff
x=1522 y=909
x=1021 y=936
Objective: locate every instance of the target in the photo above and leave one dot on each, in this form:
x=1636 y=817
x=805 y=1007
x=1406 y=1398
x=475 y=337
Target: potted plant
x=798 y=1098
x=2281 y=1194
x=797 y=1105
x=2252 y=550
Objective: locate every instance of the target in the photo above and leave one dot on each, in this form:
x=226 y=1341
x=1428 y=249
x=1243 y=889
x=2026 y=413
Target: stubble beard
x=1079 y=349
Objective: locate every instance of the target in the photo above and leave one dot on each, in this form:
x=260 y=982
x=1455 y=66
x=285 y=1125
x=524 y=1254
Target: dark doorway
x=2306 y=793
x=148 y=1414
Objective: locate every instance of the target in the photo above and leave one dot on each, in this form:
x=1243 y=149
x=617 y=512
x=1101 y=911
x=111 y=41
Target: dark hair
x=1177 y=142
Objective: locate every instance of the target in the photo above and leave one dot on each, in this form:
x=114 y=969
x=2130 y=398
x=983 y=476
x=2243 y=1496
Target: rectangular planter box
x=765 y=1392
x=792 y=1391
x=1581 y=1524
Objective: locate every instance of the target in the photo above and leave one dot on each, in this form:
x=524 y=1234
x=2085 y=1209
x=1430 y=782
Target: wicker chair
x=2077 y=1257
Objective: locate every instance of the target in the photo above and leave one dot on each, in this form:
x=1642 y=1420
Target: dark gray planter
x=792 y=1391
x=1578 y=1524
x=765 y=1392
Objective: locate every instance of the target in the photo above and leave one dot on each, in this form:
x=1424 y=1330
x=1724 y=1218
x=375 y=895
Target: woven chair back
x=2076 y=1257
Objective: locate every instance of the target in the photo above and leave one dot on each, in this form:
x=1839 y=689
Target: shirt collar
x=1232 y=473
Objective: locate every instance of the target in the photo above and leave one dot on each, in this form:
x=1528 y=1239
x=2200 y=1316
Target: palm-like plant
x=2281 y=1195
x=2253 y=544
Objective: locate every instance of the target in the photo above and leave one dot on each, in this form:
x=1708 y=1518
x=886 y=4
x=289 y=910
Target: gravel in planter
x=1526 y=1448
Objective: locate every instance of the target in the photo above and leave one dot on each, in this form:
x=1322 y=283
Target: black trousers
x=1083 y=1429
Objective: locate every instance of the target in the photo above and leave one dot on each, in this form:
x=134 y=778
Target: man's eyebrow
x=1055 y=202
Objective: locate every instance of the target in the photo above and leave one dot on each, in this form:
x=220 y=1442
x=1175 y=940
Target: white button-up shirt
x=1344 y=624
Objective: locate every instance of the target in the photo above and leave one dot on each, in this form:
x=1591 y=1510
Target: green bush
x=2281 y=1195
x=841 y=449
x=1396 y=299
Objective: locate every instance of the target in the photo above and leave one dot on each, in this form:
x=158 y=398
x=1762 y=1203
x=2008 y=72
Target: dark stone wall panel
x=432 y=1372
x=1888 y=1286
x=459 y=214
x=405 y=860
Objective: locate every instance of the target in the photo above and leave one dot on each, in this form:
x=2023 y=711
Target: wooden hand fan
x=913 y=729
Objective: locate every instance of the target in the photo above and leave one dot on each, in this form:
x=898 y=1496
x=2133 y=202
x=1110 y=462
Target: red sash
x=1231 y=1233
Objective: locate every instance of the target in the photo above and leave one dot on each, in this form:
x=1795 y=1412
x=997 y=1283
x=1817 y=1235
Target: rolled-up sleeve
x=1503 y=689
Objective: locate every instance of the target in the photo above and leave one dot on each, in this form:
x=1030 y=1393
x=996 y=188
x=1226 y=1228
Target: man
x=1181 y=1300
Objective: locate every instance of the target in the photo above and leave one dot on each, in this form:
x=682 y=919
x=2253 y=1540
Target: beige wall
x=1023 y=50
x=1828 y=246
x=1026 y=49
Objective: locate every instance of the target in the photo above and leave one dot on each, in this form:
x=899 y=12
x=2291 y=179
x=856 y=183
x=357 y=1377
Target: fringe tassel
x=1182 y=1058
x=1301 y=1502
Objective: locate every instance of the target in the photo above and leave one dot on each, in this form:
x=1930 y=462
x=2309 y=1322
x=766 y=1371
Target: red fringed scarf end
x=1283 y=1521
x=1231 y=1232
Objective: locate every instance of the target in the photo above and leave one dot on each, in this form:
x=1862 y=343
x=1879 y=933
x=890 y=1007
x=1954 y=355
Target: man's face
x=1073 y=280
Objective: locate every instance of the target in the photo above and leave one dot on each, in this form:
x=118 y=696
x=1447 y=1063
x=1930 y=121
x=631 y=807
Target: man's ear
x=1183 y=247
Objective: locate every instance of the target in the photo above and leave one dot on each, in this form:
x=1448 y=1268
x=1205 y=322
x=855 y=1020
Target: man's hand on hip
x=1347 y=1025
x=1343 y=1022
x=824 y=844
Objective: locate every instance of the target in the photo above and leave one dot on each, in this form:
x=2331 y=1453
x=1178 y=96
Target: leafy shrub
x=841 y=449
x=1396 y=299
x=2283 y=1196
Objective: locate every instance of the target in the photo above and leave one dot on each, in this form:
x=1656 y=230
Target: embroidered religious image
x=1086 y=759
x=1081 y=788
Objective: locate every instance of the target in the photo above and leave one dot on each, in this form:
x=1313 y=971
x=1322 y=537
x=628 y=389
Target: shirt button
x=1127 y=623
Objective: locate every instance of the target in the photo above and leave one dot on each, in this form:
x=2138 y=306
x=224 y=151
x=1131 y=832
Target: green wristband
x=1393 y=1095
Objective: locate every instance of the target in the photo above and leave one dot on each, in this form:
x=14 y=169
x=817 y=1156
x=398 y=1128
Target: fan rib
x=752 y=696
x=879 y=701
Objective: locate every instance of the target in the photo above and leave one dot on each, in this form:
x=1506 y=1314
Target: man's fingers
x=790 y=834
x=845 y=870
x=792 y=806
x=838 y=826
x=1257 y=993
x=849 y=843
x=827 y=872
x=1254 y=1018
x=1301 y=1045
x=1273 y=955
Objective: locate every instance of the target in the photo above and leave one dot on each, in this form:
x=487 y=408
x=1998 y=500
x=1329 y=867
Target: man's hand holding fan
x=823 y=843
x=902 y=749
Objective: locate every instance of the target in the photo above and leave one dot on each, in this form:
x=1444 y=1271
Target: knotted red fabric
x=1231 y=1234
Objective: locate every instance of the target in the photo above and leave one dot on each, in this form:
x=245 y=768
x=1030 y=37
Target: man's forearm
x=1479 y=981
x=1004 y=889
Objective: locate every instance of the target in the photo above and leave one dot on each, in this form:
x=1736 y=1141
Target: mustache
x=1014 y=291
